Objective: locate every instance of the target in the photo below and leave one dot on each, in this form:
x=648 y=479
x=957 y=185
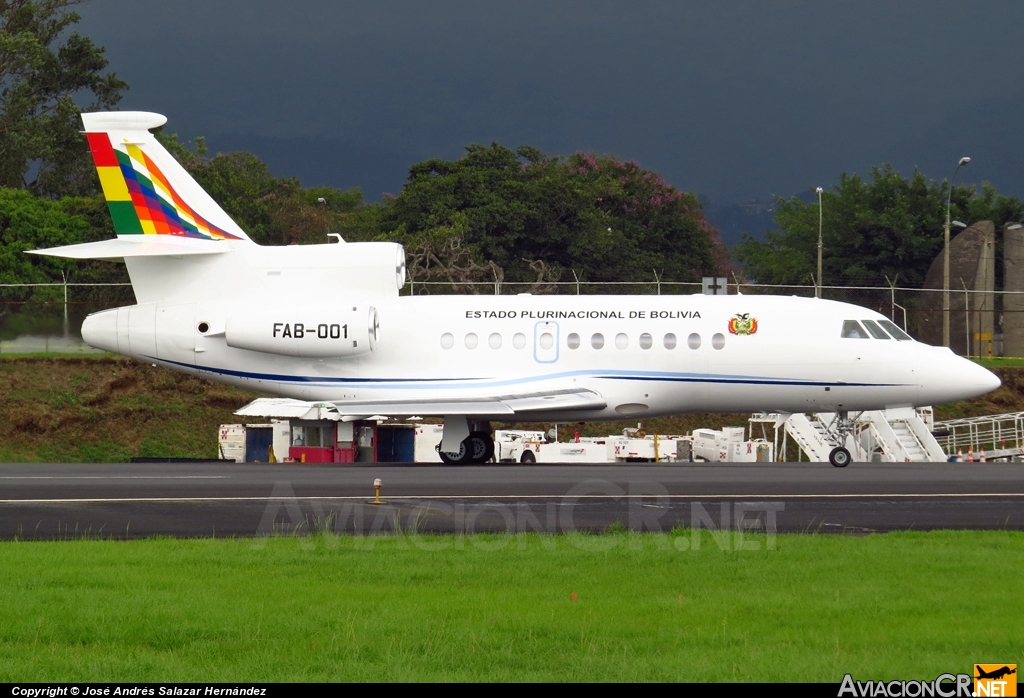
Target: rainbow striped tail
x=147 y=191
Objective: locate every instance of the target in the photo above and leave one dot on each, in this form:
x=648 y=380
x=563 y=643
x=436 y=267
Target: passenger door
x=545 y=342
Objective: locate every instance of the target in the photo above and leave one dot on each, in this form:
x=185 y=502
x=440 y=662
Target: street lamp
x=945 y=258
x=817 y=290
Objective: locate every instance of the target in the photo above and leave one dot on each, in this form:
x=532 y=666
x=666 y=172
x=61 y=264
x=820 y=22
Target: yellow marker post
x=376 y=491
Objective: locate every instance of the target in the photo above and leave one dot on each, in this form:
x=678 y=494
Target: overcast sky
x=732 y=100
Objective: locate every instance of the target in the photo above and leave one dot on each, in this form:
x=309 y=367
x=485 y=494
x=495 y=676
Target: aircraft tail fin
x=147 y=191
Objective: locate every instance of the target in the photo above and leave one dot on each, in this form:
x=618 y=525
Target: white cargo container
x=636 y=447
x=245 y=443
x=729 y=446
x=428 y=436
x=231 y=442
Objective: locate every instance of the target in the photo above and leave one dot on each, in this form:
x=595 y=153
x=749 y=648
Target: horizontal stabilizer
x=142 y=246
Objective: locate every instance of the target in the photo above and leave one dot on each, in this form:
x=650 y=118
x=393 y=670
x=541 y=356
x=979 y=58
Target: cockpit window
x=876 y=331
x=853 y=330
x=895 y=331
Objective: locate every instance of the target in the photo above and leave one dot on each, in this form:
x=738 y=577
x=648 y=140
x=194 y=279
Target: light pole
x=945 y=258
x=817 y=290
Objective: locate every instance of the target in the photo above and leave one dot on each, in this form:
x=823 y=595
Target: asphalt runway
x=60 y=501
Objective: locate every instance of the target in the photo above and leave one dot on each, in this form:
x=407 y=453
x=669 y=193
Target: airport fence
x=977 y=318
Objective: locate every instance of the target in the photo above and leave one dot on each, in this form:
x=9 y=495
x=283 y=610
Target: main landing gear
x=475 y=449
x=840 y=430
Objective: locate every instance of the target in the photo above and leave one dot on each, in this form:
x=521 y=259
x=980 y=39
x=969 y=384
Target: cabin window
x=471 y=340
x=597 y=341
x=621 y=340
x=519 y=340
x=447 y=340
x=494 y=341
x=573 y=341
x=670 y=341
x=895 y=331
x=693 y=341
x=718 y=340
x=547 y=340
x=853 y=330
x=876 y=331
x=646 y=342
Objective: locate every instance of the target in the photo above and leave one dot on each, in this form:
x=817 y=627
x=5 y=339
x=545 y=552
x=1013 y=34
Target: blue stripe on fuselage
x=434 y=383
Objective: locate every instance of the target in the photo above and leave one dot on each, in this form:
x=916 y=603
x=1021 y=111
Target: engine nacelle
x=315 y=333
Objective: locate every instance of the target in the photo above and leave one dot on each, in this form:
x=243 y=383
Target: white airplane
x=325 y=323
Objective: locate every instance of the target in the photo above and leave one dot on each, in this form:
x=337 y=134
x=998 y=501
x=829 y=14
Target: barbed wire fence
x=976 y=317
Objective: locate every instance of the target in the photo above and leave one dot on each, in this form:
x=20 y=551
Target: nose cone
x=987 y=381
x=946 y=377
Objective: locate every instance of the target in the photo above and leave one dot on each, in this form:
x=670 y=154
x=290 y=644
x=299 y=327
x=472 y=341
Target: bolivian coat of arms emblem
x=742 y=324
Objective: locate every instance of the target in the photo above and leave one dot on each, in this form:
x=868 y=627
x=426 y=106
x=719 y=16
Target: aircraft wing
x=519 y=404
x=511 y=404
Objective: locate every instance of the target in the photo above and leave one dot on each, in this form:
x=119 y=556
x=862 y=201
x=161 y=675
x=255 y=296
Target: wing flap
x=515 y=404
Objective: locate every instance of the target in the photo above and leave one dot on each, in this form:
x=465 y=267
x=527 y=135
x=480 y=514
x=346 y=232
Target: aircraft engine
x=317 y=332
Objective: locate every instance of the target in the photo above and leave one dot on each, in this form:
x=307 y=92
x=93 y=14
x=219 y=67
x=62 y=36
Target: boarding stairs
x=902 y=439
x=811 y=435
x=902 y=435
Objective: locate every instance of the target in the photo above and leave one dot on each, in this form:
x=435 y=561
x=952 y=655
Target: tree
x=532 y=217
x=271 y=210
x=882 y=228
x=28 y=223
x=42 y=72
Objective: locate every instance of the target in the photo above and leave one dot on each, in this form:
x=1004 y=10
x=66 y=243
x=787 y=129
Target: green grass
x=1000 y=362
x=325 y=608
x=108 y=408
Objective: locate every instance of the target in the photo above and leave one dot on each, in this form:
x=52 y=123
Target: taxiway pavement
x=48 y=501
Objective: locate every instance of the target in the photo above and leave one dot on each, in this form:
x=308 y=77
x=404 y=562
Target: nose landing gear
x=840 y=430
x=839 y=457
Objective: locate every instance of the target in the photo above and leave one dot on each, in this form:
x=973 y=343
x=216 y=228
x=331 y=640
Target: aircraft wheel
x=480 y=447
x=527 y=457
x=461 y=457
x=839 y=457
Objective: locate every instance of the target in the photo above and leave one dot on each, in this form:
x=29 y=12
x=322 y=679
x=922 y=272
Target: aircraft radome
x=325 y=323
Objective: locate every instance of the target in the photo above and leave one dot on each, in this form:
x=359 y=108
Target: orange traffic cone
x=960 y=455
x=970 y=454
x=981 y=456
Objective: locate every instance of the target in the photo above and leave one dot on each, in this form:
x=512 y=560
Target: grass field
x=618 y=607
x=108 y=409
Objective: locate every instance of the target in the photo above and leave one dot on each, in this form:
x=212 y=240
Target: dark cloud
x=730 y=99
